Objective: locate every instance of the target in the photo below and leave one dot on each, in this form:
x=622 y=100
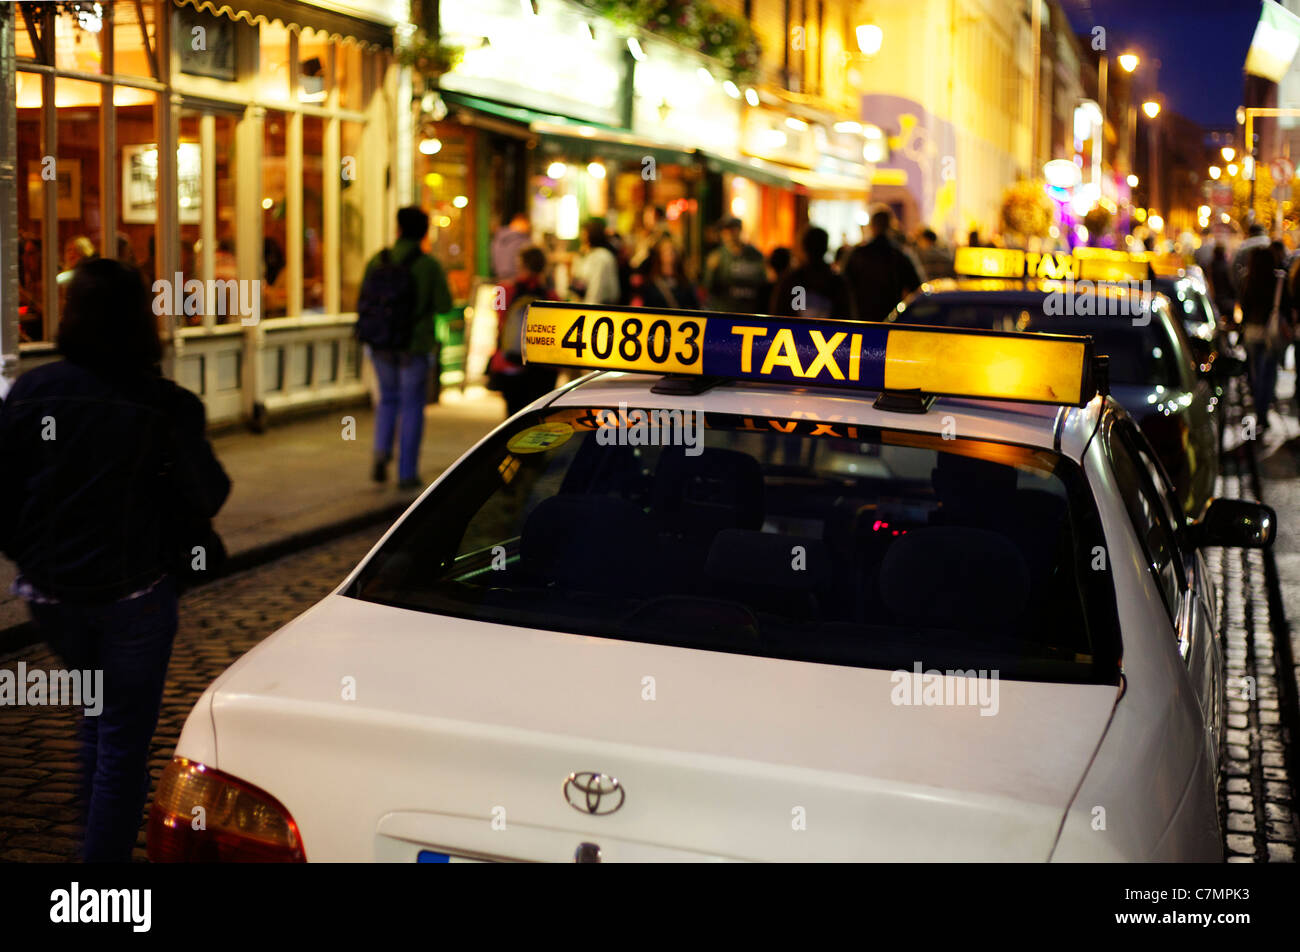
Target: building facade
x=245 y=156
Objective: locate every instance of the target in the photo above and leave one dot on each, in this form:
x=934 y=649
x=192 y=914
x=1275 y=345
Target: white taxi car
x=759 y=589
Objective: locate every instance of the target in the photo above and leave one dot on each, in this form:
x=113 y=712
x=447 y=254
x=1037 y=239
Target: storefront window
x=313 y=214
x=78 y=37
x=131 y=56
x=77 y=162
x=136 y=165
x=190 y=147
x=444 y=194
x=350 y=76
x=313 y=66
x=29 y=22
x=275 y=279
x=31 y=212
x=226 y=264
x=273 y=63
x=352 y=215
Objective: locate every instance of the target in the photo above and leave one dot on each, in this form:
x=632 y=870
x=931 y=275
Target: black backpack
x=386 y=305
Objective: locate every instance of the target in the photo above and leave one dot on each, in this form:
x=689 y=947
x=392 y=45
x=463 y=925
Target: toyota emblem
x=593 y=793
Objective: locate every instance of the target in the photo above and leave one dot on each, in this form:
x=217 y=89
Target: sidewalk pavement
x=1278 y=461
x=301 y=482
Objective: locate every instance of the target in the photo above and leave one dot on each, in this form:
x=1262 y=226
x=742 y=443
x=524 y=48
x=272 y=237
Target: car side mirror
x=1235 y=523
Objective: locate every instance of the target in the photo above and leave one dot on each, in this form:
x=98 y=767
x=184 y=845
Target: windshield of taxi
x=1141 y=354
x=794 y=539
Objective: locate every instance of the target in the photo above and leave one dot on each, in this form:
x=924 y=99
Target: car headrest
x=954 y=577
x=714 y=489
x=588 y=542
x=768 y=560
x=717 y=489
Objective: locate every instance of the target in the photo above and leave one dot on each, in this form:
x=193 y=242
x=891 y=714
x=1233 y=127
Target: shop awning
x=757 y=170
x=582 y=138
x=300 y=16
x=831 y=186
x=592 y=140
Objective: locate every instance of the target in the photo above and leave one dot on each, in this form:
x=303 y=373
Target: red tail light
x=201 y=815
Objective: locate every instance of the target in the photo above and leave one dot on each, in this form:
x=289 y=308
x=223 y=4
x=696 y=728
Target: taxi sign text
x=852 y=354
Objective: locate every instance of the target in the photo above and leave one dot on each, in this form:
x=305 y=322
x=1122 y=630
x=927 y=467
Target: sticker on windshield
x=540 y=438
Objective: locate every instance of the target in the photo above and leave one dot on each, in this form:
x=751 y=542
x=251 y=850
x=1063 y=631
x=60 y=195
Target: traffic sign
x=1282 y=168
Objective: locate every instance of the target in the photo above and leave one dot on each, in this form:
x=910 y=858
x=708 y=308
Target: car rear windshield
x=1140 y=354
x=813 y=541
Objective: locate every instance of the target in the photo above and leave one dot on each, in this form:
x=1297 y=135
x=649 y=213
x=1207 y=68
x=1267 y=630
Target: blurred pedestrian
x=509 y=240
x=1222 y=287
x=31 y=290
x=1204 y=254
x=936 y=258
x=595 y=277
x=106 y=495
x=651 y=227
x=812 y=289
x=879 y=273
x=735 y=272
x=779 y=262
x=842 y=256
x=666 y=284
x=519 y=383
x=77 y=250
x=402 y=293
x=1257 y=237
x=1266 y=325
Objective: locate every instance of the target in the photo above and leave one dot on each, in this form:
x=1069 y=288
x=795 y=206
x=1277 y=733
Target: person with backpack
x=402 y=292
x=735 y=274
x=518 y=382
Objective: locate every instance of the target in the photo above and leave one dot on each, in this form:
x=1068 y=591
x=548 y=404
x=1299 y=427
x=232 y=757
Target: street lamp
x=1151 y=108
x=1215 y=172
x=1129 y=62
x=1232 y=170
x=1132 y=181
x=1228 y=153
x=870 y=37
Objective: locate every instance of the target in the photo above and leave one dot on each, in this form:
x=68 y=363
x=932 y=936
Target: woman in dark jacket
x=106 y=492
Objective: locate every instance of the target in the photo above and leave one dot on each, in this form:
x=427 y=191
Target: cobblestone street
x=38 y=771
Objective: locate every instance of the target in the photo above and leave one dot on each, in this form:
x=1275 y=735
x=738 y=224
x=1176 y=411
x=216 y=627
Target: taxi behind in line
x=1172 y=387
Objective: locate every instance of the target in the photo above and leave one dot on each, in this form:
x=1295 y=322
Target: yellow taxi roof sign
x=1091 y=264
x=1013 y=263
x=990 y=262
x=1113 y=269
x=861 y=355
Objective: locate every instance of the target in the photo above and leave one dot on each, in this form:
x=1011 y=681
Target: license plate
x=432 y=856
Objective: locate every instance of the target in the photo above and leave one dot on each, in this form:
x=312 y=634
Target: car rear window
x=1140 y=355
x=798 y=539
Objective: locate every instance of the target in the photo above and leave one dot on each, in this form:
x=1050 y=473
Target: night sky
x=1201 y=45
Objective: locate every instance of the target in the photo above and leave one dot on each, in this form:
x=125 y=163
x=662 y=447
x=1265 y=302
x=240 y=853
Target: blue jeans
x=131 y=642
x=403 y=380
x=1263 y=378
